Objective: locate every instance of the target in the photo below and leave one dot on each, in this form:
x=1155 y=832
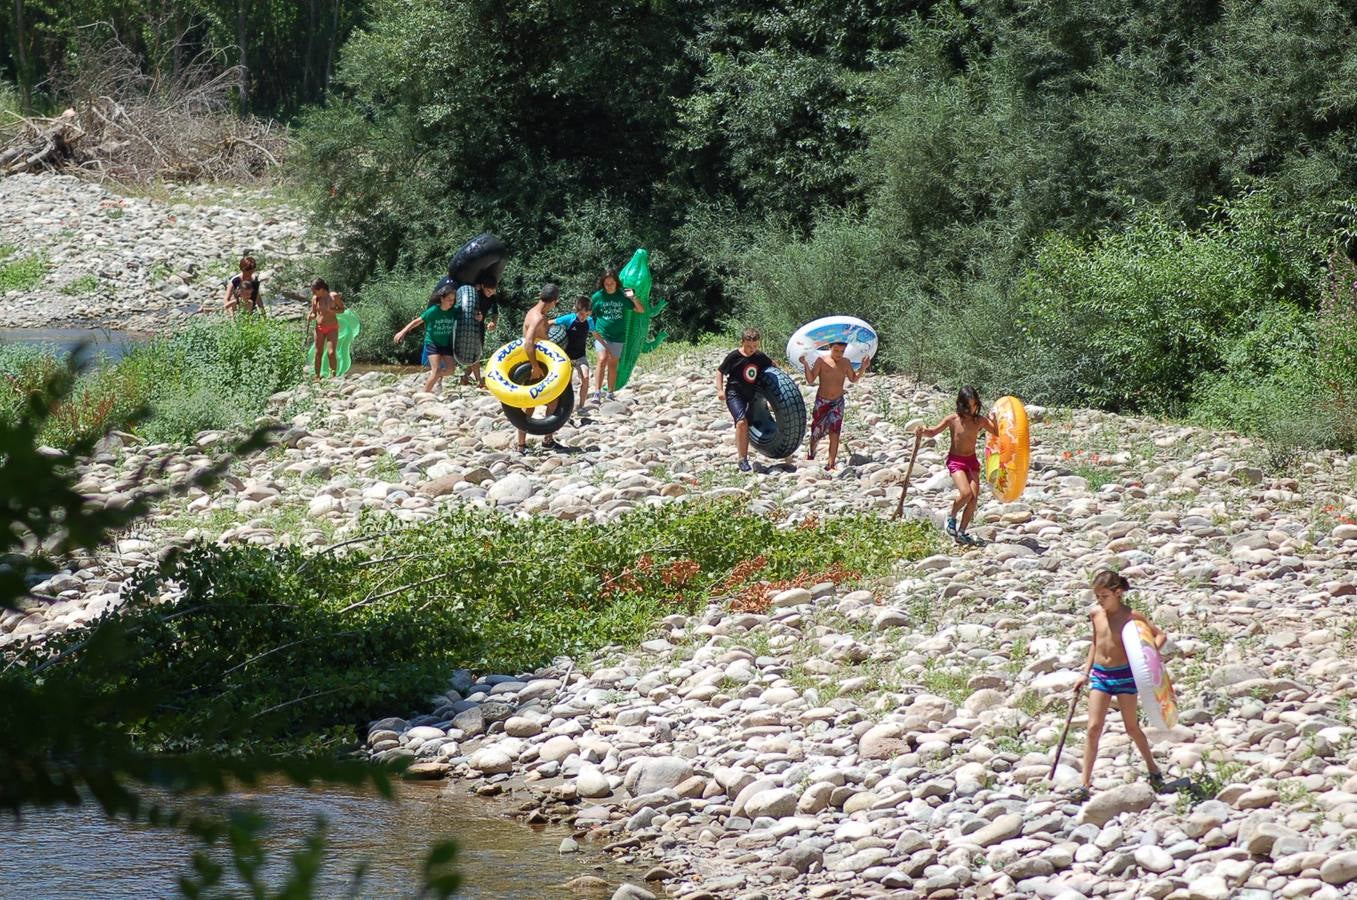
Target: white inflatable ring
x=526 y=396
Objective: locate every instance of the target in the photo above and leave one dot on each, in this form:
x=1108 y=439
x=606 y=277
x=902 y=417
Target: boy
x=534 y=330
x=833 y=371
x=482 y=293
x=578 y=326
x=325 y=309
x=244 y=289
x=742 y=369
x=1108 y=674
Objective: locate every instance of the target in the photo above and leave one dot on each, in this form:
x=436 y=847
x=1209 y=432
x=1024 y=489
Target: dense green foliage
x=288 y=47
x=211 y=375
x=1087 y=203
x=308 y=645
x=75 y=735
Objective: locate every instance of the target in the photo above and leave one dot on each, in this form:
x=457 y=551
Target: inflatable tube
x=777 y=417
x=1008 y=453
x=1152 y=679
x=543 y=425
x=499 y=375
x=814 y=338
x=556 y=334
x=636 y=275
x=349 y=327
x=484 y=252
x=468 y=338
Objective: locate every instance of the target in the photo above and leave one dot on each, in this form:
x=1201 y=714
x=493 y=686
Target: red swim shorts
x=322 y=331
x=968 y=464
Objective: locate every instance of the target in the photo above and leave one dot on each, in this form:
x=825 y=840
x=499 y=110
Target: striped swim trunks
x=1112 y=680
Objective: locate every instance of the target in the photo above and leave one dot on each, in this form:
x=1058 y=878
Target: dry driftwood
x=130 y=125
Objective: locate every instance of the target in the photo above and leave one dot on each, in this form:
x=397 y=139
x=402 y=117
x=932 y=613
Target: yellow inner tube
x=526 y=396
x=1008 y=453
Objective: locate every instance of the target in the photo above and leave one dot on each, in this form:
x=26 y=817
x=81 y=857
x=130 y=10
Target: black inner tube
x=542 y=425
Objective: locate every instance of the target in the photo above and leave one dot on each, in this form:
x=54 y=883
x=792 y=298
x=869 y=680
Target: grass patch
x=306 y=645
x=211 y=375
x=23 y=273
x=80 y=287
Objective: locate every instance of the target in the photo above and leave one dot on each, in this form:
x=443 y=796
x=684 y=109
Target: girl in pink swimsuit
x=965 y=425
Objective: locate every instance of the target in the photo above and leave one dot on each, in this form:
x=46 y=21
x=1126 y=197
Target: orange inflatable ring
x=1008 y=452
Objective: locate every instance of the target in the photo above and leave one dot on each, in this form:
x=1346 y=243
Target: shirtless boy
x=535 y=326
x=325 y=309
x=1108 y=675
x=833 y=372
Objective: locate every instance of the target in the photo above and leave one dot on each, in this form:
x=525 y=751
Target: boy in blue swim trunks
x=440 y=323
x=1108 y=675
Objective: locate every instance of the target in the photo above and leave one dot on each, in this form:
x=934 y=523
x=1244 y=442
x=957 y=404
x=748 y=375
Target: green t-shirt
x=439 y=325
x=608 y=311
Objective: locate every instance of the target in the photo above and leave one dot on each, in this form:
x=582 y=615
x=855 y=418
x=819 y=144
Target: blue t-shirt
x=576 y=333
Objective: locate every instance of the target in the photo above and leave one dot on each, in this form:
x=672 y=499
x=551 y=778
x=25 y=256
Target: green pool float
x=636 y=275
x=348 y=330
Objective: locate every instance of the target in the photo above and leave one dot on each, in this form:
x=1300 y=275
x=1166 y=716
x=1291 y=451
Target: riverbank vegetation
x=213 y=374
x=249 y=646
x=952 y=172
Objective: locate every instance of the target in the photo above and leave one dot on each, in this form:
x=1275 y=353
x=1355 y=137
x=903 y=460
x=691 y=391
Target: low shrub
x=212 y=375
x=388 y=302
x=310 y=644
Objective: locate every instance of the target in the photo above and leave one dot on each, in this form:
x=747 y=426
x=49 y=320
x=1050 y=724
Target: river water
x=77 y=853
x=100 y=341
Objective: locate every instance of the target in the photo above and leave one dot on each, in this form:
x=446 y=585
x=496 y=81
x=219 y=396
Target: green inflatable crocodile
x=636 y=275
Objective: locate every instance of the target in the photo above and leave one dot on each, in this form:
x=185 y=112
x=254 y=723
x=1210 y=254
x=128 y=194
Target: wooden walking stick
x=900 y=507
x=1074 y=701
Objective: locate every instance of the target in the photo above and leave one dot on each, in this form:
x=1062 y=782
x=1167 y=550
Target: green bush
x=1136 y=318
x=387 y=303
x=214 y=374
x=1270 y=387
x=308 y=645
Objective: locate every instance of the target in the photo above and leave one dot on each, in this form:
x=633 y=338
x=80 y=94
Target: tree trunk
x=309 y=69
x=330 y=51
x=244 y=59
x=21 y=58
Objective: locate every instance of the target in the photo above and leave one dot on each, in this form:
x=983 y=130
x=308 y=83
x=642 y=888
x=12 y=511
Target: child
x=534 y=330
x=439 y=321
x=244 y=289
x=578 y=326
x=1108 y=674
x=325 y=309
x=609 y=305
x=965 y=424
x=742 y=369
x=482 y=293
x=827 y=419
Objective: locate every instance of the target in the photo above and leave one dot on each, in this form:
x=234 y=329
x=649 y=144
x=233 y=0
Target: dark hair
x=1109 y=579
x=247 y=262
x=609 y=272
x=582 y=301
x=838 y=343
x=487 y=279
x=443 y=289
x=550 y=292
x=319 y=285
x=966 y=399
x=750 y=334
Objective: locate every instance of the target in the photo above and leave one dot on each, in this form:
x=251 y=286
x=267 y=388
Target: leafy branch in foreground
x=75 y=735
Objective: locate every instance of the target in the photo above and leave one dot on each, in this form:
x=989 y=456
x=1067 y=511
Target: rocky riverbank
x=853 y=742
x=137 y=263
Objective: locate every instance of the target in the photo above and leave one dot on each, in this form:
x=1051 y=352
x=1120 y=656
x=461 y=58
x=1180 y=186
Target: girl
x=440 y=323
x=609 y=306
x=325 y=309
x=965 y=424
x=1108 y=674
x=243 y=289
